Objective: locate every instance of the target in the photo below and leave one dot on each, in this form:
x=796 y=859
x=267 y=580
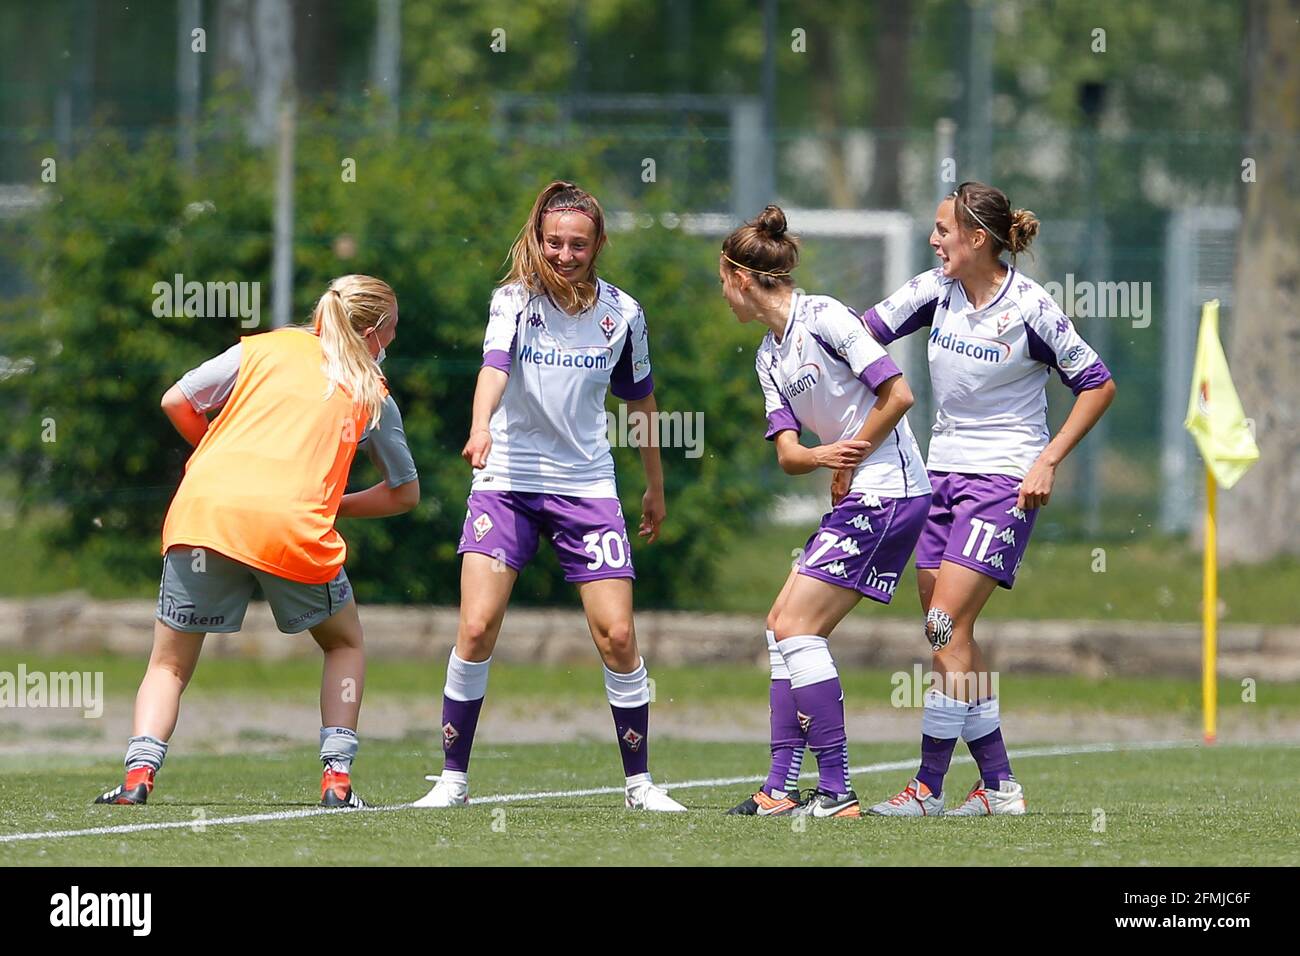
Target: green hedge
x=433 y=212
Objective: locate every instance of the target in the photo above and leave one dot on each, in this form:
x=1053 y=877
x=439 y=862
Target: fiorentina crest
x=805 y=721
x=482 y=525
x=633 y=740
x=449 y=735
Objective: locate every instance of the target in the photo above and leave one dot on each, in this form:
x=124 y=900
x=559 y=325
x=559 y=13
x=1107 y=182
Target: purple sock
x=632 y=724
x=820 y=712
x=787 y=740
x=990 y=754
x=459 y=720
x=936 y=754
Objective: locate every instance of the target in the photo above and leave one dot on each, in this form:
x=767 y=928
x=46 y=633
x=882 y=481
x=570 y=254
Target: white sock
x=628 y=690
x=943 y=716
x=808 y=658
x=775 y=658
x=981 y=720
x=466 y=680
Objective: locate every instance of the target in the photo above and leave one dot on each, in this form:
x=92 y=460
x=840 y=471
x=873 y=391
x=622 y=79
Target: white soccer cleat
x=914 y=800
x=642 y=794
x=451 y=790
x=1008 y=799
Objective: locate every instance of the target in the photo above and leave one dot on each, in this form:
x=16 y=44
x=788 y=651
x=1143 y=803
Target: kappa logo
x=607 y=325
x=536 y=322
x=632 y=739
x=849 y=546
x=1022 y=287
x=870 y=500
x=995 y=560
x=836 y=568
x=482 y=525
x=1007 y=536
x=805 y=721
x=1017 y=513
x=862 y=523
x=449 y=735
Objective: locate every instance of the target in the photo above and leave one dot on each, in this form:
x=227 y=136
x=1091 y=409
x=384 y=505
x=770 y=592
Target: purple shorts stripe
x=588 y=534
x=864 y=544
x=974 y=522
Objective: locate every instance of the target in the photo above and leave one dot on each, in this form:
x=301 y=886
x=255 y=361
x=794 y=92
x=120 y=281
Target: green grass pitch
x=1223 y=806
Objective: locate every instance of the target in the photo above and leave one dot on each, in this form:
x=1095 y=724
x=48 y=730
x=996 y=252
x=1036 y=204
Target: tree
x=1265 y=343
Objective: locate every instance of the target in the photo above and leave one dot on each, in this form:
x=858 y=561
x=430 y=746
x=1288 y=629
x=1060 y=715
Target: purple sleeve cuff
x=497 y=358
x=876 y=325
x=1094 y=376
x=633 y=391
x=781 y=420
x=881 y=370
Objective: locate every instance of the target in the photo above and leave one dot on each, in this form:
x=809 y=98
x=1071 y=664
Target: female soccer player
x=995 y=334
x=818 y=367
x=557 y=339
x=257 y=505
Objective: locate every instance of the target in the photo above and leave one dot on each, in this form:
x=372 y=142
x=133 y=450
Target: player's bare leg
x=172 y=661
x=809 y=612
x=780 y=791
x=608 y=606
x=343 y=677
x=485 y=586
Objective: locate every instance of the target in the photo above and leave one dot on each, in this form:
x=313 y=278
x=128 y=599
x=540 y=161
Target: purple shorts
x=864 y=543
x=588 y=534
x=974 y=522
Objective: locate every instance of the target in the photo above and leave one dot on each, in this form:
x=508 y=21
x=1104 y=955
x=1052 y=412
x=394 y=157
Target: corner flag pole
x=1210 y=612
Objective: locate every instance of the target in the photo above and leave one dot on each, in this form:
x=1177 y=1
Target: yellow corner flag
x=1217 y=422
x=1214 y=414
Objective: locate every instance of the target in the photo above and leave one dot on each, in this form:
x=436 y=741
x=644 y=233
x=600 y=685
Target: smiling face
x=569 y=244
x=958 y=250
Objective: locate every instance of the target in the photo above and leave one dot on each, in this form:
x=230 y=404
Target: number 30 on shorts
x=608 y=550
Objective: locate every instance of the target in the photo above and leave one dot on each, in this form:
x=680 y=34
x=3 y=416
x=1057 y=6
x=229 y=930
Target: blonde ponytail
x=351 y=305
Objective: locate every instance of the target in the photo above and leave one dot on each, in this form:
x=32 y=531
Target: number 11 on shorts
x=977 y=525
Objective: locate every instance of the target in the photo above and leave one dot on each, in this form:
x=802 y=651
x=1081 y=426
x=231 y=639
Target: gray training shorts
x=203 y=591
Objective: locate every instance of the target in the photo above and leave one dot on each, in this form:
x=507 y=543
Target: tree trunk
x=256 y=50
x=1258 y=515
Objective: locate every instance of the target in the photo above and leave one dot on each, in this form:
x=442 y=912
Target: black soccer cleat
x=762 y=804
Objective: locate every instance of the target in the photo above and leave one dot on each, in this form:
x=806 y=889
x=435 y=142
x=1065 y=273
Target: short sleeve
x=209 y=386
x=780 y=416
x=841 y=334
x=908 y=309
x=385 y=443
x=631 y=379
x=504 y=314
x=1054 y=341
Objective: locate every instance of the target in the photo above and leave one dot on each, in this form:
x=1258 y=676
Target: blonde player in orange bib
x=258 y=503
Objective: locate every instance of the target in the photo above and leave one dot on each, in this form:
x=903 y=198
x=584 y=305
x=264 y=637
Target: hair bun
x=771 y=222
x=1024 y=226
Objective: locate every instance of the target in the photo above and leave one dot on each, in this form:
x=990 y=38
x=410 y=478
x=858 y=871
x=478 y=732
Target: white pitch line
x=198 y=825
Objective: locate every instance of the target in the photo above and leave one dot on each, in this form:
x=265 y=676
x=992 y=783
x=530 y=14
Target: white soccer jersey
x=548 y=433
x=989 y=367
x=824 y=373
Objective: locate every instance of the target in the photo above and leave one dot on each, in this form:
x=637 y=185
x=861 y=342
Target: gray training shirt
x=209 y=386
